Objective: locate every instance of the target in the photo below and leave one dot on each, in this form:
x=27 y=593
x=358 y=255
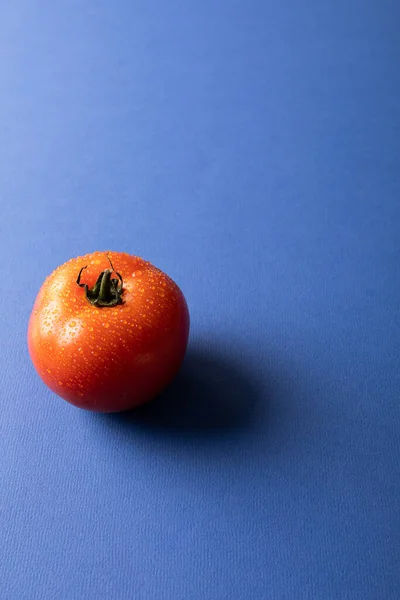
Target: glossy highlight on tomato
x=108 y=331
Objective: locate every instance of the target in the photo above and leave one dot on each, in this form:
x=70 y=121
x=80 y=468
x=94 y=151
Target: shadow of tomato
x=211 y=393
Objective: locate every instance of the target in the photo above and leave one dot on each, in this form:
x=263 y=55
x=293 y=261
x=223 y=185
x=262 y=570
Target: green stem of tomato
x=107 y=291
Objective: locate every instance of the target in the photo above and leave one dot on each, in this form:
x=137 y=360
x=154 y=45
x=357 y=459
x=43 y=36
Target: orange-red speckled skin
x=108 y=359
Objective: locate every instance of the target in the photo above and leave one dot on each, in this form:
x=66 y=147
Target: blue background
x=251 y=150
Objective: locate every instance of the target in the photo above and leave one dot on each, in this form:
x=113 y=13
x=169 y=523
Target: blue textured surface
x=251 y=150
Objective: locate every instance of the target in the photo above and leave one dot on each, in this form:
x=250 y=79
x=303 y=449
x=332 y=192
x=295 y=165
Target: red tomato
x=108 y=337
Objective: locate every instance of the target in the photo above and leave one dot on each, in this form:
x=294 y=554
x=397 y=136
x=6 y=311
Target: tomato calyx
x=107 y=291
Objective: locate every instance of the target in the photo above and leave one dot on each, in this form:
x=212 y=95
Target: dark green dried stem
x=107 y=291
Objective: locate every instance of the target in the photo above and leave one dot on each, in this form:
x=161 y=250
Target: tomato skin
x=108 y=359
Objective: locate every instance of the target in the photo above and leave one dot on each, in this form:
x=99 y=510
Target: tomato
x=108 y=331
